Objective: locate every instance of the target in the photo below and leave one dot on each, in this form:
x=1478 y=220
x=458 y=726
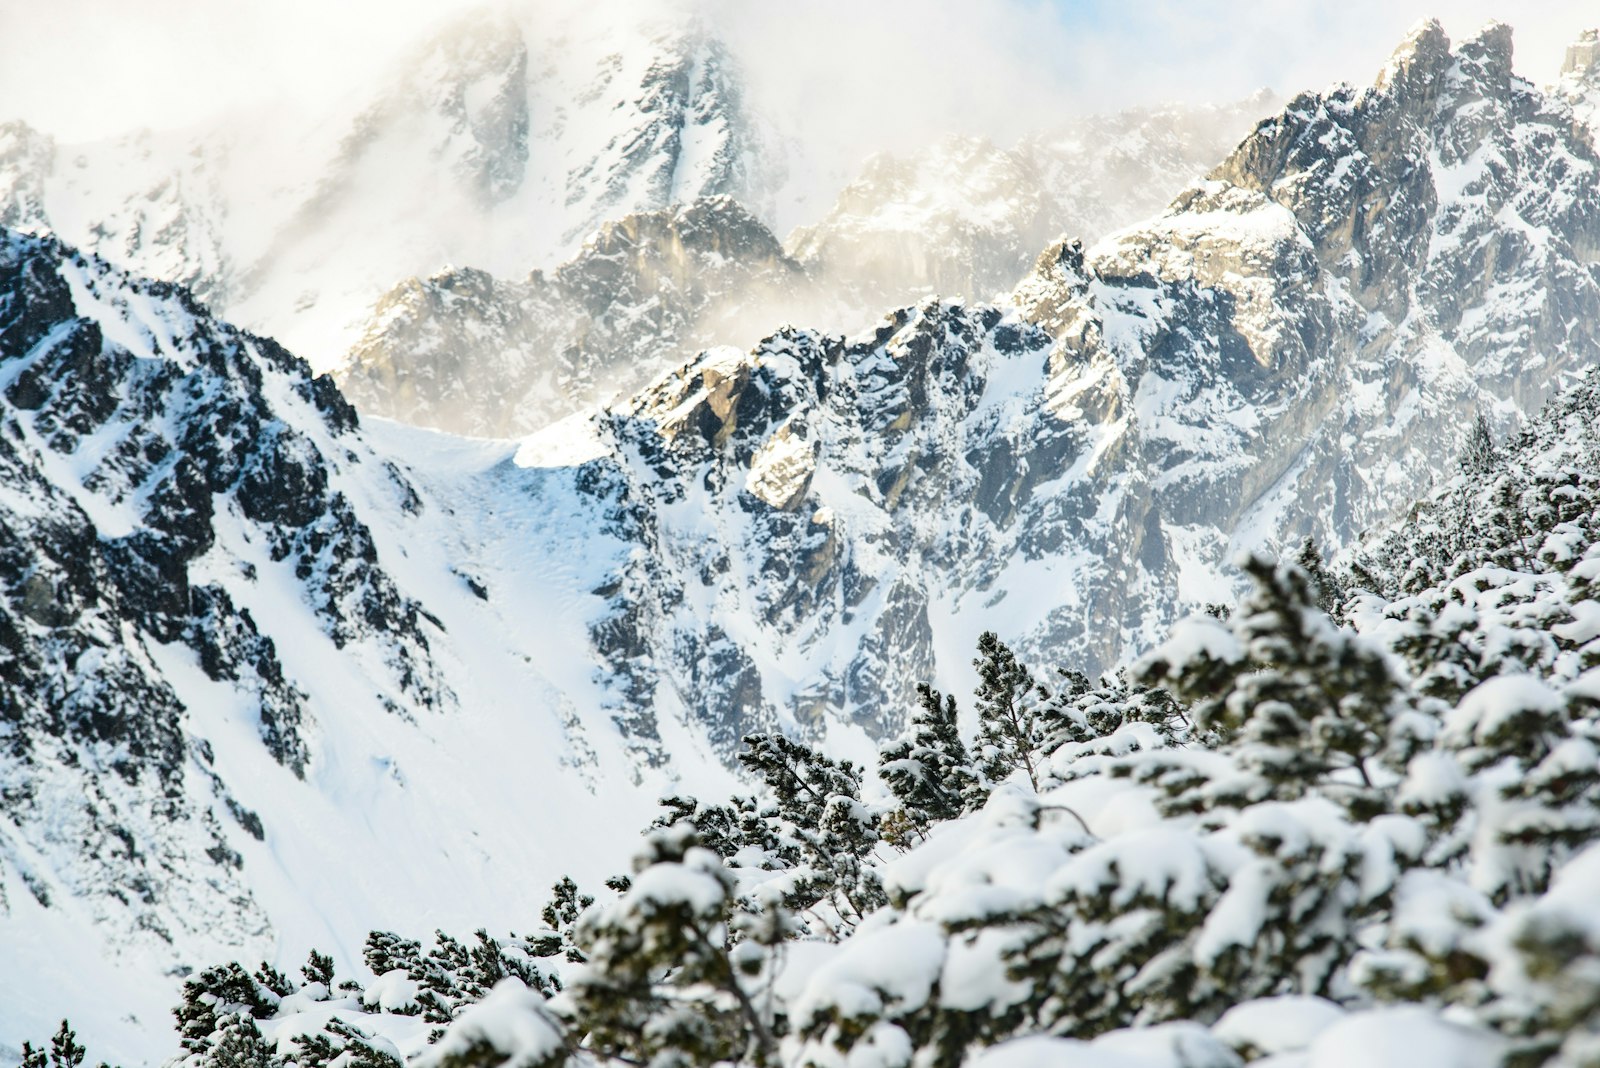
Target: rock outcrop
x=465 y=352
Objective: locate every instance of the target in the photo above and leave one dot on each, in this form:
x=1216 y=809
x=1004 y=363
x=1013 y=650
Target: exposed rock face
x=1295 y=346
x=964 y=217
x=464 y=352
x=1306 y=334
x=1580 y=80
x=693 y=138
x=516 y=137
x=800 y=506
x=1583 y=57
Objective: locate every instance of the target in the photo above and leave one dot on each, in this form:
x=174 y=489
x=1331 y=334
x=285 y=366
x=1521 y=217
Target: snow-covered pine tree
x=1007 y=700
x=1304 y=702
x=339 y=1041
x=214 y=996
x=1080 y=711
x=560 y=913
x=65 y=1051
x=453 y=974
x=824 y=830
x=318 y=968
x=928 y=770
x=1327 y=589
x=512 y=1027
x=385 y=952
x=236 y=1042
x=1478 y=452
x=669 y=981
x=736 y=829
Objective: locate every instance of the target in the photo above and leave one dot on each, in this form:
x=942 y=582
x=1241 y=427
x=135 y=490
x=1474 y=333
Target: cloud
x=882 y=73
x=84 y=69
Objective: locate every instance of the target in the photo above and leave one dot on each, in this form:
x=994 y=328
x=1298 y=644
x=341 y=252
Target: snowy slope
x=265 y=678
x=1283 y=838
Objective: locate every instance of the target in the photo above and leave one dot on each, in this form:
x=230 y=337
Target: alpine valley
x=376 y=553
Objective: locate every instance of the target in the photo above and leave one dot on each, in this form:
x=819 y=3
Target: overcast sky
x=87 y=68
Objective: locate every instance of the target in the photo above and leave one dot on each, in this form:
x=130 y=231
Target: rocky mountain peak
x=1366 y=172
x=1415 y=67
x=294 y=225
x=1579 y=84
x=693 y=137
x=678 y=239
x=1583 y=57
x=1485 y=58
x=1388 y=258
x=964 y=216
x=472 y=77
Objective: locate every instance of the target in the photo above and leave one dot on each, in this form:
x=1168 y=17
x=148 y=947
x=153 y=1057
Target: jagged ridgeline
x=1280 y=837
x=1291 y=349
x=468 y=352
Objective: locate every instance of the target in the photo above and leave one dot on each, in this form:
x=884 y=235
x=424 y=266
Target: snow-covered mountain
x=224 y=589
x=515 y=136
x=1353 y=821
x=964 y=217
x=1300 y=340
x=1297 y=346
x=464 y=352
